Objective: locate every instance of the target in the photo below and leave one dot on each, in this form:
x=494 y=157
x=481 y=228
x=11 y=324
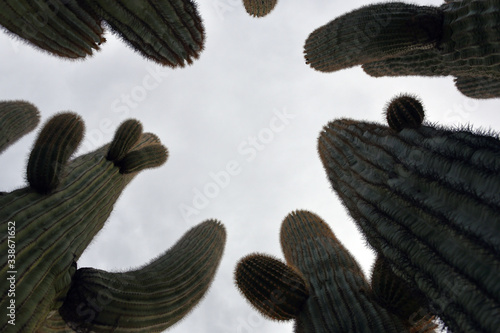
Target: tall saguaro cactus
x=169 y=32
x=54 y=219
x=459 y=38
x=428 y=200
x=322 y=287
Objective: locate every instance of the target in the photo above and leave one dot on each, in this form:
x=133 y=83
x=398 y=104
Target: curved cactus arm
x=478 y=87
x=59 y=27
x=272 y=287
x=373 y=33
x=259 y=8
x=17 y=118
x=168 y=32
x=428 y=200
x=337 y=286
x=153 y=297
x=460 y=38
x=53 y=230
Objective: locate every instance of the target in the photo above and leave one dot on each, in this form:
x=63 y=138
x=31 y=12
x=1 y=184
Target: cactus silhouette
x=54 y=219
x=259 y=8
x=427 y=200
x=169 y=32
x=322 y=287
x=459 y=38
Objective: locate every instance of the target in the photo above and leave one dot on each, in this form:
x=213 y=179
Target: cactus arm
x=429 y=201
x=126 y=136
x=460 y=38
x=272 y=287
x=153 y=297
x=168 y=32
x=144 y=158
x=335 y=303
x=56 y=29
x=259 y=8
x=17 y=118
x=351 y=39
x=57 y=141
x=478 y=87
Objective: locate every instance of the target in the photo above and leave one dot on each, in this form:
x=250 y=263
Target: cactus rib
x=428 y=200
x=17 y=118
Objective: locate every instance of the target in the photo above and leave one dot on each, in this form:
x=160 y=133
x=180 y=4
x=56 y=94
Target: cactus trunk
x=428 y=199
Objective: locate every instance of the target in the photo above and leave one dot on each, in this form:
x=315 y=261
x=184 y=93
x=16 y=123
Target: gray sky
x=250 y=104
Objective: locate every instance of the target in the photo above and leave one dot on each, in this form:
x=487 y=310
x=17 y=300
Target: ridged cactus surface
x=459 y=38
x=56 y=220
x=169 y=32
x=321 y=286
x=428 y=200
x=17 y=118
x=259 y=8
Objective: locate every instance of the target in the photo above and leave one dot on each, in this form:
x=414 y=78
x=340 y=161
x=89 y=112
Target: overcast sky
x=249 y=105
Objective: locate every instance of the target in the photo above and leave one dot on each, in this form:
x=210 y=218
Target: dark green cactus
x=169 y=32
x=322 y=287
x=428 y=200
x=259 y=8
x=404 y=111
x=459 y=38
x=56 y=220
x=56 y=143
x=17 y=118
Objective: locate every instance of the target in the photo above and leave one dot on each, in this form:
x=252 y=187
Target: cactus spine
x=53 y=229
x=321 y=285
x=17 y=118
x=259 y=8
x=459 y=38
x=169 y=32
x=428 y=200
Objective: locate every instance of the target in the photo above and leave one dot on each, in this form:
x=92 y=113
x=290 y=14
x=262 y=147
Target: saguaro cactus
x=459 y=38
x=169 y=32
x=322 y=287
x=53 y=220
x=259 y=8
x=428 y=200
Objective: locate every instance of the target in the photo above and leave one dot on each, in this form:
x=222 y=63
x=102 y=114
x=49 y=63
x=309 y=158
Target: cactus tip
x=404 y=111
